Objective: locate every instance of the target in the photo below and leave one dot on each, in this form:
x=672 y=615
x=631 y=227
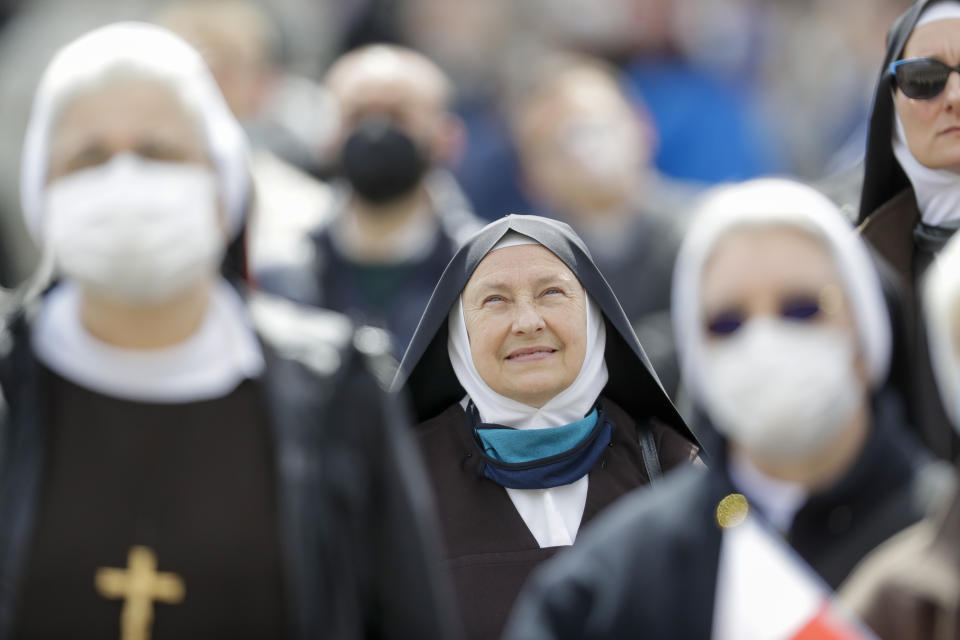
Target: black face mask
x=381 y=162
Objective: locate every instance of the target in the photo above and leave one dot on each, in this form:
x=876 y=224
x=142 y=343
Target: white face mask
x=135 y=230
x=782 y=389
x=601 y=148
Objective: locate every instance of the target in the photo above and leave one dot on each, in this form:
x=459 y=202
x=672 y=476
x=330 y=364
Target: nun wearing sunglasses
x=910 y=204
x=785 y=346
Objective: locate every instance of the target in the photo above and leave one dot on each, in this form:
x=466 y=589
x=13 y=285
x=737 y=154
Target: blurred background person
x=909 y=206
x=240 y=41
x=788 y=82
x=733 y=139
x=288 y=119
x=399 y=216
x=585 y=152
x=772 y=110
x=162 y=428
x=477 y=43
x=791 y=72
x=908 y=588
x=537 y=407
x=821 y=107
x=785 y=343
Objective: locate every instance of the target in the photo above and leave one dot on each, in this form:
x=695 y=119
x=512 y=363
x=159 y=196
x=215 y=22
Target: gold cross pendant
x=139 y=585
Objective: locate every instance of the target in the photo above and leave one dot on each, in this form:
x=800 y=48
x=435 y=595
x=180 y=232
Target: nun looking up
x=785 y=345
x=537 y=407
x=163 y=427
x=910 y=205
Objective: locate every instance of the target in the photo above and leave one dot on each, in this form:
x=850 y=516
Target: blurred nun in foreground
x=172 y=451
x=538 y=407
x=909 y=589
x=785 y=344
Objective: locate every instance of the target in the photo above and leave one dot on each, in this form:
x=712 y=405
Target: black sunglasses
x=799 y=307
x=921 y=78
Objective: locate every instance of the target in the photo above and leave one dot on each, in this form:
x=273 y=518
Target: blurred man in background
x=288 y=119
x=477 y=43
x=585 y=151
x=655 y=43
x=242 y=43
x=398 y=216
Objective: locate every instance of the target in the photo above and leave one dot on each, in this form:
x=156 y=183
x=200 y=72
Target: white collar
x=209 y=364
x=778 y=500
x=552 y=515
x=937 y=190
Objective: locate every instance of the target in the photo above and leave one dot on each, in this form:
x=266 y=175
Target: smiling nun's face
x=526 y=318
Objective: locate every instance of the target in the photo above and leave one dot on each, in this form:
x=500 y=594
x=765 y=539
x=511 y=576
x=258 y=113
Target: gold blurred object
x=732 y=510
x=139 y=585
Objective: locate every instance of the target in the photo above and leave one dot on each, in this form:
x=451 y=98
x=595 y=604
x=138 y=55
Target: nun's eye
x=159 y=150
x=725 y=323
x=89 y=157
x=553 y=290
x=801 y=308
x=492 y=299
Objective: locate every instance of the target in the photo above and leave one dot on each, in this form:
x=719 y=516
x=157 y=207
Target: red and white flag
x=765 y=591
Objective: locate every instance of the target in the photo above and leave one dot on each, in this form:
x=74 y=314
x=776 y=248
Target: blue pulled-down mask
x=541 y=458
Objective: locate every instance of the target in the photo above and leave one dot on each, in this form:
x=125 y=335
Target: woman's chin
x=534 y=390
x=949 y=160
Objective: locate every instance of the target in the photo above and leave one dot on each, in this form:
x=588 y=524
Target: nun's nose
x=527 y=318
x=952 y=92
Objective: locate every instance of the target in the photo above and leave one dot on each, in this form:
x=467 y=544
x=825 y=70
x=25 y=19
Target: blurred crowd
x=721 y=89
x=400 y=295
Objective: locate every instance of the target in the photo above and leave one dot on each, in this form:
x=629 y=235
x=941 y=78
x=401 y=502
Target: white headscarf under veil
x=777 y=202
x=143 y=52
x=937 y=190
x=571 y=404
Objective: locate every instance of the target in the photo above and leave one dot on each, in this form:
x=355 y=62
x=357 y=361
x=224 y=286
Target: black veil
x=883 y=178
x=426 y=370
